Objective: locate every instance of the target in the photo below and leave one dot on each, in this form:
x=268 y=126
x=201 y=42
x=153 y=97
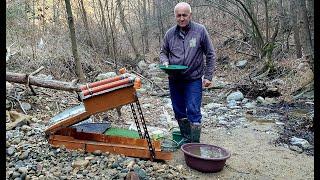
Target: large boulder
x=237 y=96
x=105 y=76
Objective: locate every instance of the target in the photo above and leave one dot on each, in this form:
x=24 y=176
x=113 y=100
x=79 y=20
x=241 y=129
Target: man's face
x=183 y=16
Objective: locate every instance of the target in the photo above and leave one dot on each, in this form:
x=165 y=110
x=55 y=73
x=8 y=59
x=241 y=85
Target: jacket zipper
x=184 y=52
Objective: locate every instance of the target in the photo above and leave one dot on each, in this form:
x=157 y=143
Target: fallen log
x=46 y=83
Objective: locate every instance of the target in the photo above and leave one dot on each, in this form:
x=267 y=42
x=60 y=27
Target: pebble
x=23 y=170
x=97 y=152
x=15 y=174
x=80 y=163
x=11 y=151
x=24 y=155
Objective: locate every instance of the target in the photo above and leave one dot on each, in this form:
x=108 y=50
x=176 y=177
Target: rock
x=115 y=165
x=15 y=174
x=156 y=79
x=97 y=153
x=142 y=65
x=8 y=104
x=296 y=148
x=132 y=176
x=130 y=164
x=80 y=163
x=298 y=141
x=232 y=103
x=153 y=67
x=147 y=105
x=24 y=155
x=244 y=100
x=270 y=100
x=180 y=167
x=141 y=173
x=142 y=91
x=11 y=151
x=17 y=119
x=23 y=170
x=237 y=96
x=9 y=87
x=241 y=64
x=279 y=123
x=25 y=128
x=26 y=106
x=222 y=122
x=79 y=176
x=260 y=100
x=250 y=105
x=105 y=76
x=212 y=106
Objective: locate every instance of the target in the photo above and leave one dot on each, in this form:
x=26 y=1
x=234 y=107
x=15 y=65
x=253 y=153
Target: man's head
x=182 y=12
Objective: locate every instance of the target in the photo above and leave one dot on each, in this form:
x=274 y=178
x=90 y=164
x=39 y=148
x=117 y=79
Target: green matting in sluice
x=122 y=132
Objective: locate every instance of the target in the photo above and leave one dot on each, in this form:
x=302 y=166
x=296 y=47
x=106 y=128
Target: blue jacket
x=188 y=50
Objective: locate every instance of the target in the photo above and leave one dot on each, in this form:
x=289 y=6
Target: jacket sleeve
x=164 y=51
x=210 y=55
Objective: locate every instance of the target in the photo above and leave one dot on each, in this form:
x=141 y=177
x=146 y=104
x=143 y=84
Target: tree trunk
x=267 y=20
x=85 y=22
x=124 y=25
x=159 y=20
x=145 y=27
x=104 y=25
x=52 y=84
x=310 y=7
x=305 y=32
x=112 y=27
x=78 y=64
x=296 y=35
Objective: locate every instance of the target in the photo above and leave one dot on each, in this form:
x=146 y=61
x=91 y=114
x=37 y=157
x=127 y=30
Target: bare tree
x=104 y=25
x=305 y=32
x=145 y=27
x=126 y=29
x=111 y=15
x=296 y=35
x=79 y=70
x=85 y=22
x=310 y=7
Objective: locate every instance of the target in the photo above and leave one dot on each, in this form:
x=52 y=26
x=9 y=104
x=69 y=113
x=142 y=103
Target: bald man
x=187 y=43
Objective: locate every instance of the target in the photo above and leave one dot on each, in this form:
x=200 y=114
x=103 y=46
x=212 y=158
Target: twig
x=8 y=54
x=32 y=74
x=241 y=52
x=18 y=102
x=153 y=83
x=231 y=38
x=57 y=106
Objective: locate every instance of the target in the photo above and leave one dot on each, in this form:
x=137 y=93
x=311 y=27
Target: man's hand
x=166 y=64
x=206 y=83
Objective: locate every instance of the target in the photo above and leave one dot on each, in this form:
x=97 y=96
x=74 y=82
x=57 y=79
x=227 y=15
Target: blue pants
x=186 y=99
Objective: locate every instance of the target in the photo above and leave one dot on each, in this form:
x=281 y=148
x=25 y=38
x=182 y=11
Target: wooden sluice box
x=99 y=97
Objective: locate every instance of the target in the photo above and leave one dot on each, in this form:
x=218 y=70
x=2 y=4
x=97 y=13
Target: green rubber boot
x=195 y=131
x=184 y=126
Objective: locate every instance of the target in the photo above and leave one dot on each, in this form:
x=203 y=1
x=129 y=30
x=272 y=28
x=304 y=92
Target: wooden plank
x=111 y=100
x=67 y=122
x=90 y=146
x=107 y=139
x=115 y=139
